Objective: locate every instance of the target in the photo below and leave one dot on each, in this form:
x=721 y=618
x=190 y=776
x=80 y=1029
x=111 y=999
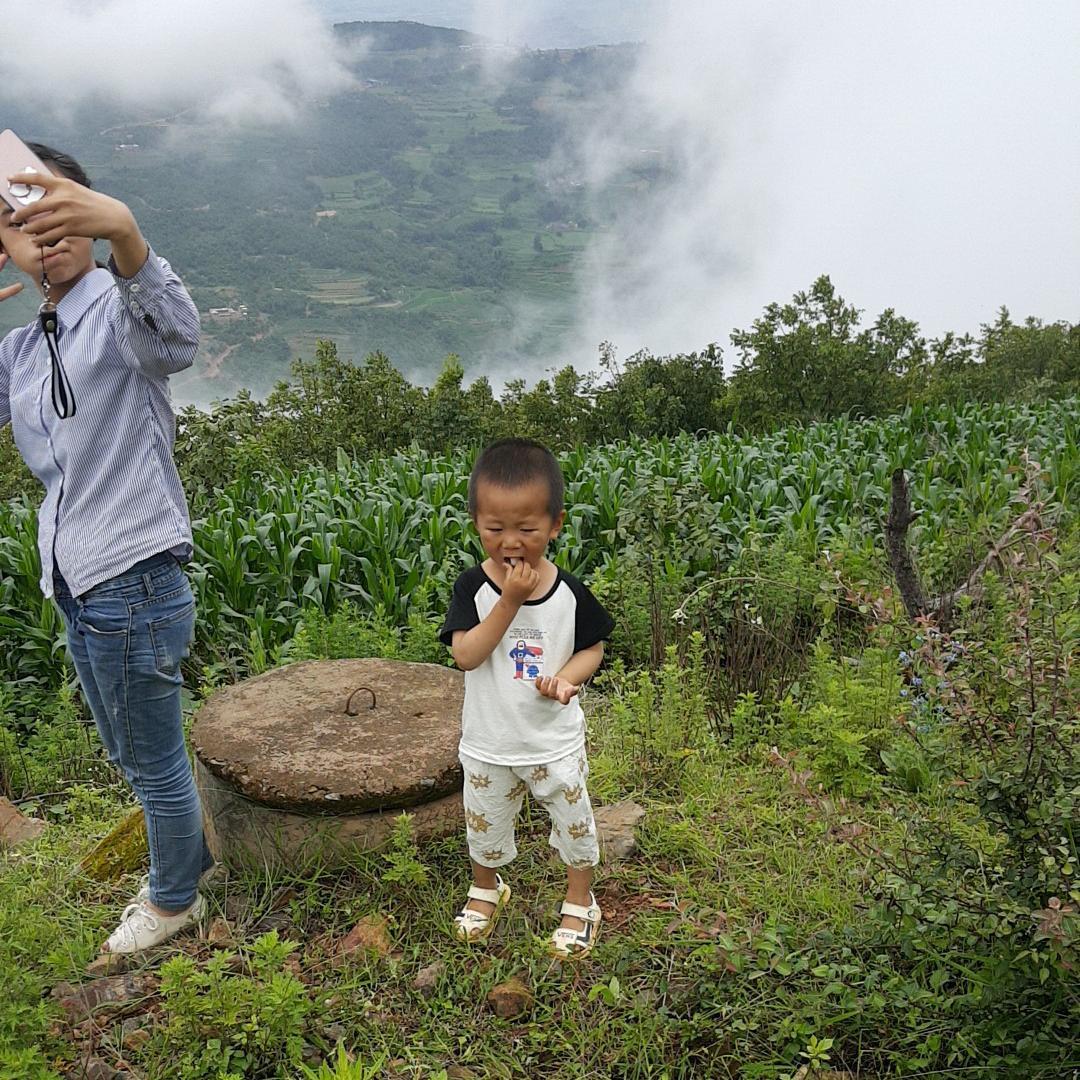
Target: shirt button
x=135 y=287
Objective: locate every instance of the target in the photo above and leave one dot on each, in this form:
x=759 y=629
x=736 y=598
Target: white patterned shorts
x=493 y=796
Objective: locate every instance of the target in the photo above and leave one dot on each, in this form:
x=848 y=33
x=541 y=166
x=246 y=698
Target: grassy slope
x=732 y=850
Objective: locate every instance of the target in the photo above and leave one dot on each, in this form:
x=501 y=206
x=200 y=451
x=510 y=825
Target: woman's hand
x=8 y=290
x=551 y=686
x=69 y=209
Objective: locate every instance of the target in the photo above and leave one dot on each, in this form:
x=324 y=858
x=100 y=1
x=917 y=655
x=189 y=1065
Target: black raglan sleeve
x=462 y=614
x=592 y=623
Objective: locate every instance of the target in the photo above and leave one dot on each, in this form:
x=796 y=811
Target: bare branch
x=903 y=567
x=1027 y=526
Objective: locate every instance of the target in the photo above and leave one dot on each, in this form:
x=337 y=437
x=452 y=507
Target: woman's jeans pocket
x=170 y=637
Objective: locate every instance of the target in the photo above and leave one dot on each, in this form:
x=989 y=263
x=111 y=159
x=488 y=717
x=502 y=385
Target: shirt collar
x=86 y=290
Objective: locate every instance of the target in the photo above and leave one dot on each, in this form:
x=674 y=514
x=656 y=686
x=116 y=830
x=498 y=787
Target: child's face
x=514 y=523
x=67 y=261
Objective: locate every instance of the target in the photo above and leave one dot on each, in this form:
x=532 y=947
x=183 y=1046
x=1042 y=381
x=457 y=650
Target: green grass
x=734 y=852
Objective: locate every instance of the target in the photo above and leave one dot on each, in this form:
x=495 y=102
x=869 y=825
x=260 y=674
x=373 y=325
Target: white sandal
x=472 y=925
x=141 y=928
x=567 y=944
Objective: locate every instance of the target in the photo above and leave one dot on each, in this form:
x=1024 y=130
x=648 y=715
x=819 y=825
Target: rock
x=107 y=964
x=122 y=851
x=219 y=934
x=295 y=967
x=360 y=734
x=93 y=1068
x=15 y=827
x=511 y=999
x=427 y=979
x=370 y=935
x=236 y=905
x=615 y=828
x=130 y=1024
x=137 y=1039
x=81 y=1002
x=281 y=921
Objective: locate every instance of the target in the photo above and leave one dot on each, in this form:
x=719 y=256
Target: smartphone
x=17 y=157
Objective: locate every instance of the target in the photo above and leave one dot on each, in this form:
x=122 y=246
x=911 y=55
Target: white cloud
x=239 y=61
x=926 y=155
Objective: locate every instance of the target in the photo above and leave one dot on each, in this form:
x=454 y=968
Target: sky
x=925 y=155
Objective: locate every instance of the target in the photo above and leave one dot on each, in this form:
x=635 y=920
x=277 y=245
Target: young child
x=527 y=635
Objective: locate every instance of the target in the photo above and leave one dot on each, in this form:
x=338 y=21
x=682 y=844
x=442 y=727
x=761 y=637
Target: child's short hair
x=512 y=463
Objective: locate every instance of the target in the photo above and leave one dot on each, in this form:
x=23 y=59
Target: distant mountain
x=404 y=36
x=414 y=213
x=539 y=24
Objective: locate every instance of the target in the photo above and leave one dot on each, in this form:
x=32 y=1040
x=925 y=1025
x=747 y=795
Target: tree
x=655 y=395
x=808 y=360
x=452 y=416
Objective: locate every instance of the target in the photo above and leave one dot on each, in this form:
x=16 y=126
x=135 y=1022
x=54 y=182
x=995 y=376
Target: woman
x=113 y=528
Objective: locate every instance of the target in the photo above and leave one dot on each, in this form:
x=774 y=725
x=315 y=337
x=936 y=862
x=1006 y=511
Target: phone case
x=17 y=157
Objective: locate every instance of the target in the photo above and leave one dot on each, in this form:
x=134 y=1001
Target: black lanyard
x=63 y=397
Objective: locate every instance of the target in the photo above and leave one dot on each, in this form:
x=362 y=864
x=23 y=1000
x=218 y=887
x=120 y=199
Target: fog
x=925 y=155
x=232 y=61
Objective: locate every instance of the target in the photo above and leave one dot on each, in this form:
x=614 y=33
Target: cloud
x=238 y=61
x=925 y=155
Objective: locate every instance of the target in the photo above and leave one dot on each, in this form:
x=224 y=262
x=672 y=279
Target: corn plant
x=391 y=533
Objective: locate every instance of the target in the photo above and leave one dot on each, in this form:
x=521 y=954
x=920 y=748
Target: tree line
x=807 y=360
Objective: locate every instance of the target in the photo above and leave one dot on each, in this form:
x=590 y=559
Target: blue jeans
x=127 y=637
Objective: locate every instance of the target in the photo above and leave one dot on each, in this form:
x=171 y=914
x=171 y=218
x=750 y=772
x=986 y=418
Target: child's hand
x=558 y=689
x=8 y=290
x=69 y=209
x=519 y=582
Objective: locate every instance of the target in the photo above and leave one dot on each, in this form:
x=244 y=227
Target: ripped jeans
x=127 y=637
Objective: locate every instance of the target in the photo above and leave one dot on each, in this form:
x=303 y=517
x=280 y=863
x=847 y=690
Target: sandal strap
x=590 y=914
x=574 y=937
x=490 y=896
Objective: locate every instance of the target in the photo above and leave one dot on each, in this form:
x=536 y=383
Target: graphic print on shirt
x=527 y=652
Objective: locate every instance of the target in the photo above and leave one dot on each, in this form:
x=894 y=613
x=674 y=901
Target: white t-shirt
x=505 y=719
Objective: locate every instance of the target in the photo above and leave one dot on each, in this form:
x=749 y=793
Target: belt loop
x=148 y=583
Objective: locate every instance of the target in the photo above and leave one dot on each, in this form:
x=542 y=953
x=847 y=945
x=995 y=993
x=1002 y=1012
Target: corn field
x=392 y=533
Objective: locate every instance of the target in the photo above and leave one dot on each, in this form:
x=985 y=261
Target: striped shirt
x=112 y=493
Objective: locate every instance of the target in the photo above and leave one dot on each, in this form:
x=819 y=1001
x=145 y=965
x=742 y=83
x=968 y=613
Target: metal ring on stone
x=349 y=711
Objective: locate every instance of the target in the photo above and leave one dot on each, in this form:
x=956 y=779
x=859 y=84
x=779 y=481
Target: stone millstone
x=244 y=833
x=285 y=740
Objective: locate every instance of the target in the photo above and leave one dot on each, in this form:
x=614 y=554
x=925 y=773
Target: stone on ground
x=511 y=999
x=307 y=764
x=15 y=827
x=615 y=828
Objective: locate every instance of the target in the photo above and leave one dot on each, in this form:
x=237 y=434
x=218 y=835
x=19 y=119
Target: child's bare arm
x=566 y=682
x=470 y=648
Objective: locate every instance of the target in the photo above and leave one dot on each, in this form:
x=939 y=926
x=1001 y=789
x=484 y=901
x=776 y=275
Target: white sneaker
x=207 y=879
x=142 y=928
